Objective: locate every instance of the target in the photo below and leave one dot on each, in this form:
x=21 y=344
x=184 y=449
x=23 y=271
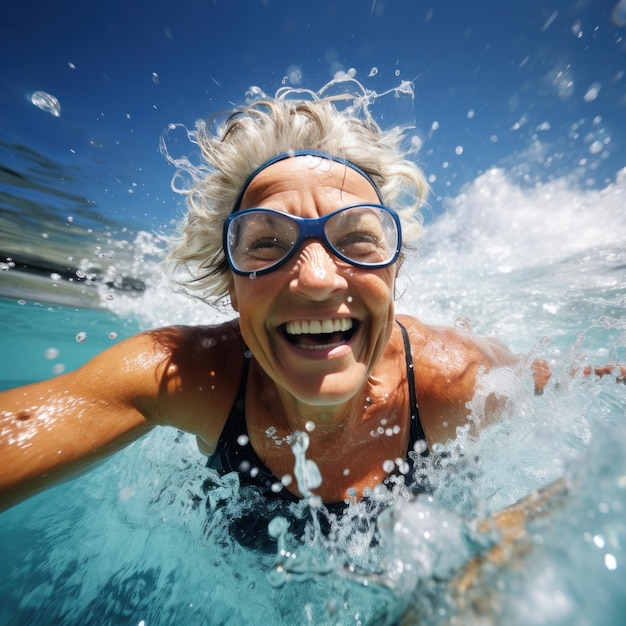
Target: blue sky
x=491 y=76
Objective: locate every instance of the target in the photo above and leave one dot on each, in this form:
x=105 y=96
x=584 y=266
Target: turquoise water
x=132 y=542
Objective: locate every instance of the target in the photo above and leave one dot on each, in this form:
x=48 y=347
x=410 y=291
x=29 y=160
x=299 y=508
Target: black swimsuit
x=234 y=453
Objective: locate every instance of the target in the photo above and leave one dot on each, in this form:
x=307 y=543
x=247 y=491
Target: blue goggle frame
x=307 y=228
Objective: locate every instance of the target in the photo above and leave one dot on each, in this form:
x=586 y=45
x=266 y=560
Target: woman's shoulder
x=447 y=361
x=199 y=370
x=452 y=350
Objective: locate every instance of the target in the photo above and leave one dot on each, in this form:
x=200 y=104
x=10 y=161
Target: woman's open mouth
x=319 y=334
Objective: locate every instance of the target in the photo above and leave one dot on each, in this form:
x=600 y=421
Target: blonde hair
x=253 y=135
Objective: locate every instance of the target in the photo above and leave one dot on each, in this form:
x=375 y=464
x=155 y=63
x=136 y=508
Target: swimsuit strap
x=234 y=452
x=417 y=431
x=234 y=427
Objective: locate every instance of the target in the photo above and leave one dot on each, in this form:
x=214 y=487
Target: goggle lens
x=260 y=240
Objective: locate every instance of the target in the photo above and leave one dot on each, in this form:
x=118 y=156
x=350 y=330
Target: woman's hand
x=542 y=373
x=606 y=370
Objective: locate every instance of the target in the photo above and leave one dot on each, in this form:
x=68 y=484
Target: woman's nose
x=317 y=275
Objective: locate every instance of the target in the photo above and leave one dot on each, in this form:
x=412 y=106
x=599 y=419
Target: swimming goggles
x=257 y=240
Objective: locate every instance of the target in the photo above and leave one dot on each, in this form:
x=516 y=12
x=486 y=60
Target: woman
x=298 y=217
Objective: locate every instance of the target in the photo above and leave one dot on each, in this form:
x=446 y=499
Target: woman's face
x=281 y=312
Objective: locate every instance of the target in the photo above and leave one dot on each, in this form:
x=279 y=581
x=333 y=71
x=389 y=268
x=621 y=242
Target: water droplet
x=596 y=147
x=277 y=526
x=388 y=466
x=310 y=426
x=592 y=92
x=52 y=353
x=463 y=322
x=420 y=446
x=403 y=466
x=46 y=102
x=81 y=336
x=252 y=276
x=373 y=72
x=315 y=502
x=243 y=440
x=416 y=143
x=294 y=74
x=112 y=335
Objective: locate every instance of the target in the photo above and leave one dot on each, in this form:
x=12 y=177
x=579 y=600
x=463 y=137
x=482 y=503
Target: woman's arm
x=56 y=429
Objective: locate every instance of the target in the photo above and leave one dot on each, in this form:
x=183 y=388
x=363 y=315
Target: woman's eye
x=364 y=240
x=360 y=237
x=266 y=247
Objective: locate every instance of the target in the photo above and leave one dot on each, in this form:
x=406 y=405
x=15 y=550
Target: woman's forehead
x=308 y=175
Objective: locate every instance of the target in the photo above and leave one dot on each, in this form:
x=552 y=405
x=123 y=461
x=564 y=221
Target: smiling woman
x=298 y=215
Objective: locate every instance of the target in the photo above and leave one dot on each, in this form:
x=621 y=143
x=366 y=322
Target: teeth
x=317 y=327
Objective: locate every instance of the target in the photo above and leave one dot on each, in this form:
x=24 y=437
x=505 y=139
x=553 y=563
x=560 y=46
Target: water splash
x=46 y=102
x=306 y=471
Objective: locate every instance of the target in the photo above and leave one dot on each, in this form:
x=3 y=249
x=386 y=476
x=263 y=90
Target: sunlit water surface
x=540 y=266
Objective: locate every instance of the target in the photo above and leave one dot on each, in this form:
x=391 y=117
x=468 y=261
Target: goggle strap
x=305 y=152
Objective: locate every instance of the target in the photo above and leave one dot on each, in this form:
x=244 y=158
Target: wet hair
x=254 y=134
